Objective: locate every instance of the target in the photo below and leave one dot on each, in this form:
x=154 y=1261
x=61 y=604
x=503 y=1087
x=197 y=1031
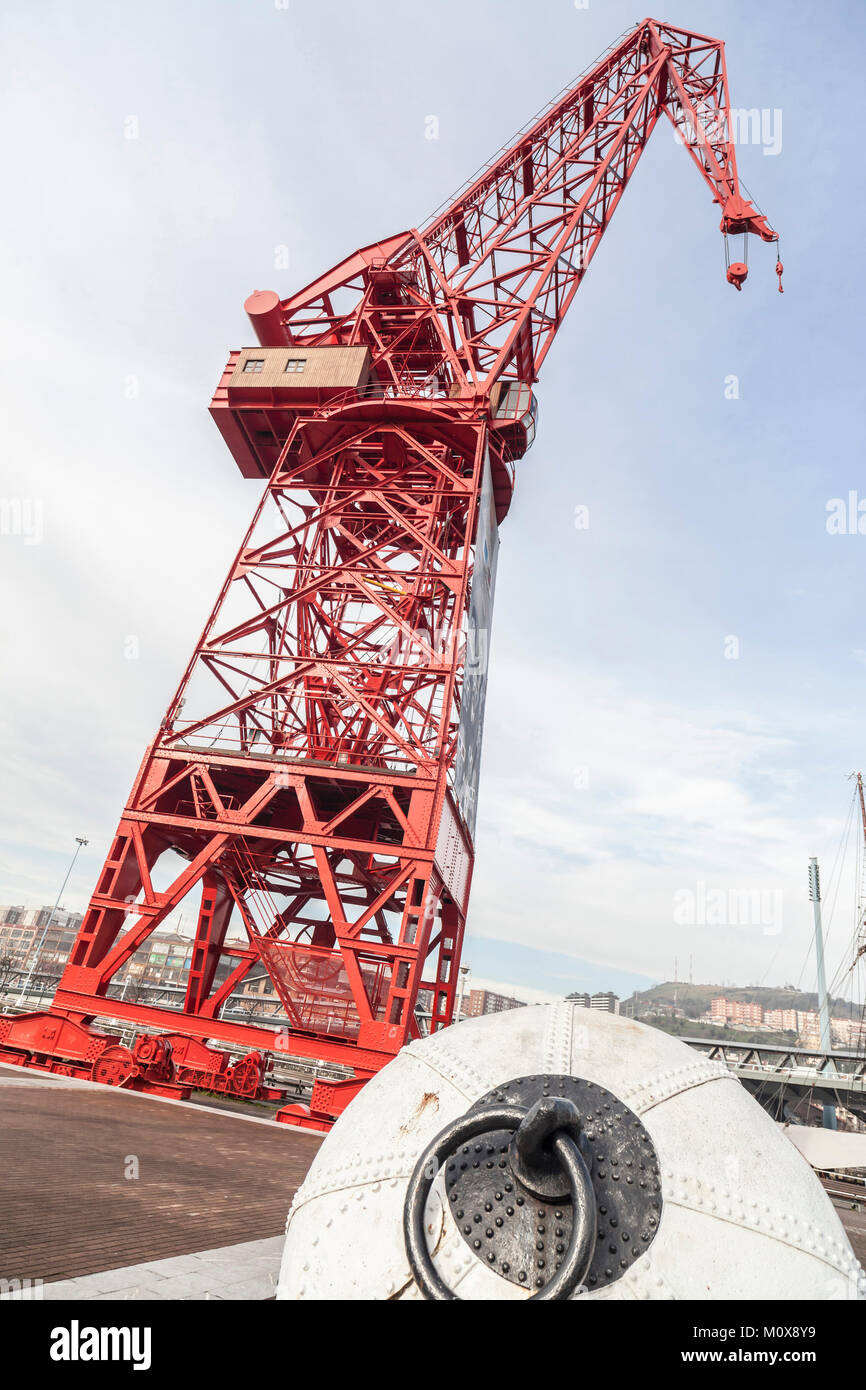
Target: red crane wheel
x=114 y=1067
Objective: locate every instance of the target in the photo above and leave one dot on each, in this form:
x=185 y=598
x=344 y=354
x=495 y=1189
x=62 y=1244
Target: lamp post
x=461 y=990
x=79 y=841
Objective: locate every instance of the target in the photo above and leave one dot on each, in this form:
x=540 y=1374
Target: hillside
x=695 y=1000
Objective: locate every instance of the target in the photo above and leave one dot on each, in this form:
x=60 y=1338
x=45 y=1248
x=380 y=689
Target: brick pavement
x=68 y=1208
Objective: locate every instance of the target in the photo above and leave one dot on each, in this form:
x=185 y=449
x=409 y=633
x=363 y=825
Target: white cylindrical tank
x=721 y=1205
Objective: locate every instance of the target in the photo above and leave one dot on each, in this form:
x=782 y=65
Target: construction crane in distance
x=315 y=776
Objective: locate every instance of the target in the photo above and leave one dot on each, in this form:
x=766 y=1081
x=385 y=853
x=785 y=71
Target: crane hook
x=779 y=271
x=737 y=272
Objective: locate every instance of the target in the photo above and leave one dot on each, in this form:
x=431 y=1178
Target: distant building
x=809 y=1029
x=25 y=935
x=259 y=994
x=752 y=1015
x=21 y=932
x=163 y=959
x=661 y=1010
x=737 y=1011
x=784 y=1020
x=740 y=1013
x=484 y=1001
x=606 y=1003
x=848 y=1033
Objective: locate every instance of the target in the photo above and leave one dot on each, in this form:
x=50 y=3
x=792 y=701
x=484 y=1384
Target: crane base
x=163 y=1064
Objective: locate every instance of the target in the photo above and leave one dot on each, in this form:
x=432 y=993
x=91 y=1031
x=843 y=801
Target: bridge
x=777 y=1075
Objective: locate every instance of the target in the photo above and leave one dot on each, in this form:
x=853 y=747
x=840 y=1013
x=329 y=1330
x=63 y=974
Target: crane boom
x=314 y=779
x=500 y=265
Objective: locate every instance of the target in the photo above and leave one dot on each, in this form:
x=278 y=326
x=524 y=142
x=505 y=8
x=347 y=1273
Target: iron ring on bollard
x=577 y=1258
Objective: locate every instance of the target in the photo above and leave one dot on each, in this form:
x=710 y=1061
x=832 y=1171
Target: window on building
x=296 y=364
x=254 y=364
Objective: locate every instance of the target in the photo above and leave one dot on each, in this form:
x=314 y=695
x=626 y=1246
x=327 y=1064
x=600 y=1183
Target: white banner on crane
x=467 y=763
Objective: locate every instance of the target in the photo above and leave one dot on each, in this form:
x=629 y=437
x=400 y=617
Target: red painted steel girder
x=486 y=284
x=315 y=773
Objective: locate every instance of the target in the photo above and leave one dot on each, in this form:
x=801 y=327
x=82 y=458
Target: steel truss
x=309 y=778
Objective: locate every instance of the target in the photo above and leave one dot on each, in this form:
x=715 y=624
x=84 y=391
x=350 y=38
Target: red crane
x=315 y=775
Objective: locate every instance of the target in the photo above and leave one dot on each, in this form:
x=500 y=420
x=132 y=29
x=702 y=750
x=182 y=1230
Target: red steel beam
x=314 y=777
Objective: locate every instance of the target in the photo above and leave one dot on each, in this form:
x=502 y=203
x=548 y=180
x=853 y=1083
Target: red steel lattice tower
x=315 y=774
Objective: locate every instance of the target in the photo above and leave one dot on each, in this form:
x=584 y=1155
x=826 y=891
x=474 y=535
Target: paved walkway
x=98 y=1180
x=246 y=1271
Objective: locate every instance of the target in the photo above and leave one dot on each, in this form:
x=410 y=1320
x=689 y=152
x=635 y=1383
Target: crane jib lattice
x=315 y=775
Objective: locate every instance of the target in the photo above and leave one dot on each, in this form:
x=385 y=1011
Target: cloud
x=675 y=798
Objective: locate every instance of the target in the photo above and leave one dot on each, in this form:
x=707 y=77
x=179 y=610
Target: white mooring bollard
x=644 y=1171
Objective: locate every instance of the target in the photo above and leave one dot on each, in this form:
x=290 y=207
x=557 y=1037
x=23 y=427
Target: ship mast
x=860 y=934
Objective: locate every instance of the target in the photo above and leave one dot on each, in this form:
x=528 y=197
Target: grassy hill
x=689 y=1028
x=695 y=1000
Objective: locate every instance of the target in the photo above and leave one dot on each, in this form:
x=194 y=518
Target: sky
x=676 y=689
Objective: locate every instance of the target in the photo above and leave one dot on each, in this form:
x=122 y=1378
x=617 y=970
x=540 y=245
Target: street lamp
x=79 y=841
x=461 y=990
